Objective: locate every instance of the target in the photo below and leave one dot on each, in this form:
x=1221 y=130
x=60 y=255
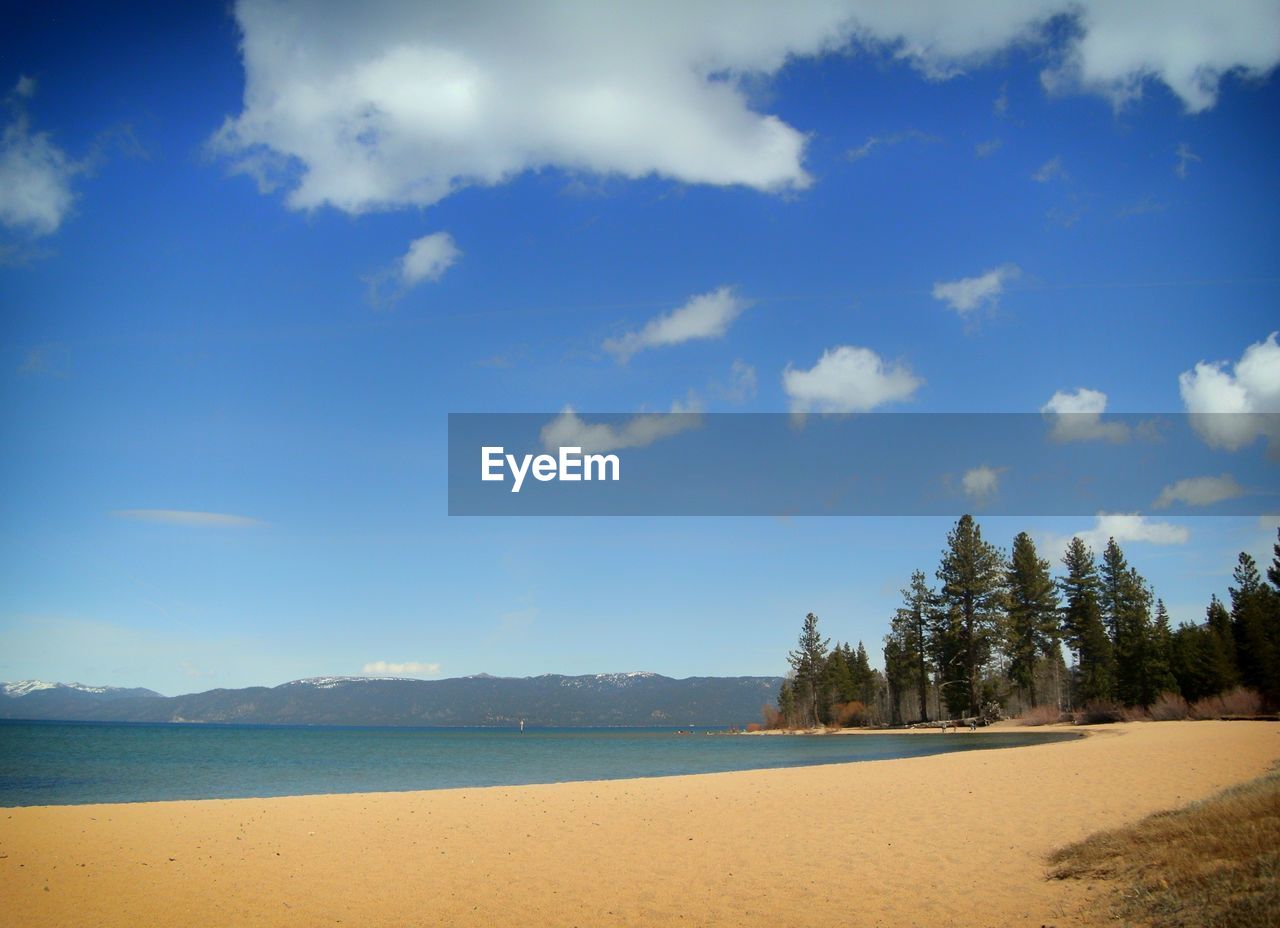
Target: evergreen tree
x=787 y=703
x=1218 y=621
x=1160 y=678
x=909 y=628
x=1273 y=572
x=839 y=674
x=808 y=663
x=1113 y=590
x=1032 y=629
x=1251 y=608
x=1082 y=623
x=1133 y=641
x=865 y=681
x=972 y=573
x=898 y=672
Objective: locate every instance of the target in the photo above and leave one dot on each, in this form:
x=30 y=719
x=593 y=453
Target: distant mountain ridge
x=637 y=698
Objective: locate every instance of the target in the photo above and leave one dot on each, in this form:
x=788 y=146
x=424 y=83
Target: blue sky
x=252 y=258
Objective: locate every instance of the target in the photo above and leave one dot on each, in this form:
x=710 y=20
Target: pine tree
x=909 y=629
x=972 y=573
x=1112 y=589
x=1133 y=641
x=1273 y=572
x=1032 y=628
x=787 y=703
x=1250 y=616
x=864 y=677
x=808 y=663
x=898 y=672
x=1159 y=674
x=1082 y=622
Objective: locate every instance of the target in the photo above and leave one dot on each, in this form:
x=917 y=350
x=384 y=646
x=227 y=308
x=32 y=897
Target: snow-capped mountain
x=634 y=698
x=20 y=688
x=328 y=683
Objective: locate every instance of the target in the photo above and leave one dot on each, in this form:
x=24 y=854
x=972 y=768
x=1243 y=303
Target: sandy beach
x=955 y=839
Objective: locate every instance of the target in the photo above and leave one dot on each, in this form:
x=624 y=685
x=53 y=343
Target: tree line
x=989 y=637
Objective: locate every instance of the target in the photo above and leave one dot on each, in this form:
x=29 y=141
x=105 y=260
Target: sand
x=956 y=839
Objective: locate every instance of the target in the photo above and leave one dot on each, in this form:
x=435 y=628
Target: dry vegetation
x=1239 y=703
x=1213 y=863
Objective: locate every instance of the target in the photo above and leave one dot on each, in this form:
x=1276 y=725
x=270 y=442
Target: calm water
x=53 y=763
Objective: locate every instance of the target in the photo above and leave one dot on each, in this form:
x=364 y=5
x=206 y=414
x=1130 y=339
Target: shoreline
x=956 y=838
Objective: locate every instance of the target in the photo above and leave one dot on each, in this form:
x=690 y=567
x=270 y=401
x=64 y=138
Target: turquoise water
x=56 y=763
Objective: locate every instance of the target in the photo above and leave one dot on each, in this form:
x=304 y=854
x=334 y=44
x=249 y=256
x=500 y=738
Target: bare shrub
x=1170 y=707
x=1237 y=703
x=1040 y=715
x=772 y=718
x=849 y=715
x=1100 y=712
x=754 y=726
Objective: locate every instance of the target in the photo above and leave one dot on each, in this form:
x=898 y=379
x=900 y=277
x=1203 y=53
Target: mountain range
x=609 y=699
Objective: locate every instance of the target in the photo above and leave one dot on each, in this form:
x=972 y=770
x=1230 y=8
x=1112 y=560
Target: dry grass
x=1213 y=863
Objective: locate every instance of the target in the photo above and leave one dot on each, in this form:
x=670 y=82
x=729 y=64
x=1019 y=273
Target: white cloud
x=401 y=103
x=1185 y=158
x=969 y=293
x=1199 y=491
x=981 y=483
x=1249 y=390
x=988 y=148
x=1000 y=105
x=1078 y=417
x=1186 y=44
x=885 y=141
x=1125 y=528
x=391 y=667
x=186 y=517
x=428 y=258
x=1050 y=170
x=1132 y=527
x=848 y=379
x=35 y=174
x=742 y=382
x=707 y=315
x=568 y=430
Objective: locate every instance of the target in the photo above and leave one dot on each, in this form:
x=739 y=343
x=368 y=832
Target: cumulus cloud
x=399 y=103
x=569 y=430
x=1132 y=527
x=970 y=293
x=1231 y=405
x=392 y=667
x=35 y=174
x=186 y=517
x=707 y=315
x=428 y=258
x=1125 y=528
x=1078 y=417
x=1199 y=491
x=981 y=483
x=1187 y=45
x=848 y=378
